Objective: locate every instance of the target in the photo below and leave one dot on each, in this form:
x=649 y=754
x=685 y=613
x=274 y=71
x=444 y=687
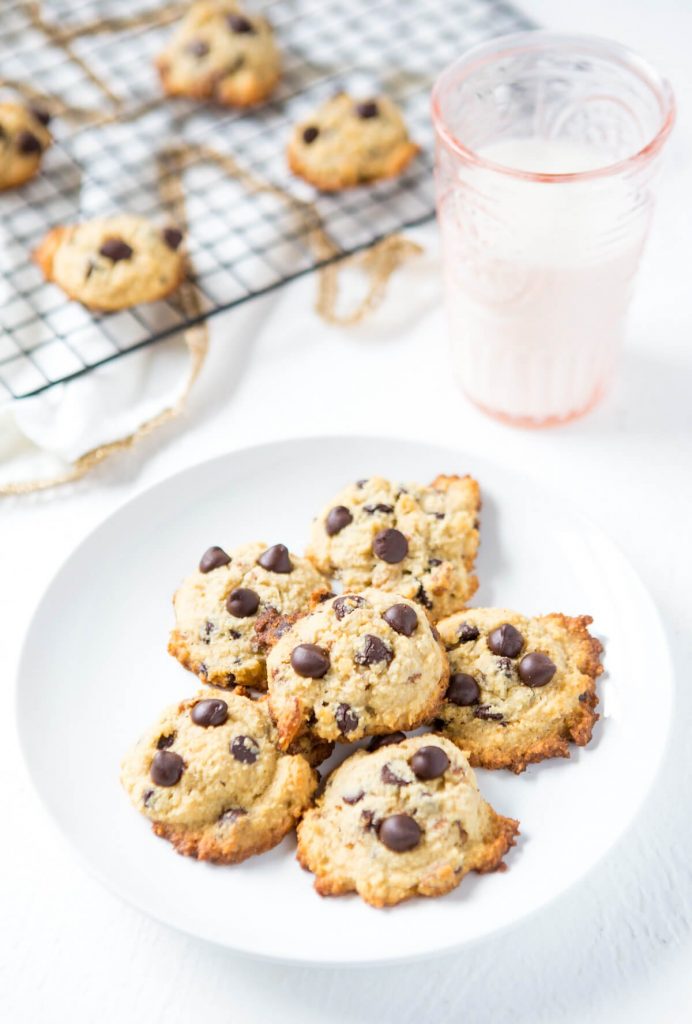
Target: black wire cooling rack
x=241 y=242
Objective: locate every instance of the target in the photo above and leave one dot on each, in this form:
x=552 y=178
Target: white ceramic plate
x=95 y=672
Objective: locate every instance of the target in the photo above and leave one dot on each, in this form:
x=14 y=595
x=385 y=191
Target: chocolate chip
x=506 y=666
x=346 y=718
x=310 y=134
x=463 y=690
x=172 y=237
x=432 y=562
x=391 y=778
x=242 y=602
x=390 y=545
x=202 y=669
x=27 y=143
x=209 y=712
x=583 y=697
x=506 y=640
x=206 y=631
x=146 y=796
x=310 y=661
x=198 y=48
x=245 y=749
x=483 y=712
x=355 y=798
x=466 y=633
x=402 y=618
x=346 y=604
x=240 y=24
x=230 y=679
x=213 y=558
x=367 y=109
x=422 y=597
x=164 y=742
x=384 y=741
x=234 y=634
x=337 y=519
x=536 y=669
x=386 y=510
x=276 y=559
x=368 y=819
x=400 y=832
x=166 y=768
x=360 y=484
x=231 y=815
x=372 y=650
x=438 y=724
x=41 y=114
x=115 y=249
x=438 y=515
x=429 y=762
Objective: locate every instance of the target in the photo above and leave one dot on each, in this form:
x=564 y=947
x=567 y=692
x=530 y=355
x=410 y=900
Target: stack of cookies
x=292 y=668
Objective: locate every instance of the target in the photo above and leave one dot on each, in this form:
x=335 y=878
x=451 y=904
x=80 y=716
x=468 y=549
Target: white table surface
x=619 y=948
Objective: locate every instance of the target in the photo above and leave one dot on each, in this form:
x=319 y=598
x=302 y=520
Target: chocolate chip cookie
x=521 y=689
x=419 y=542
x=212 y=781
x=360 y=664
x=113 y=263
x=24 y=138
x=406 y=820
x=348 y=142
x=221 y=52
x=224 y=610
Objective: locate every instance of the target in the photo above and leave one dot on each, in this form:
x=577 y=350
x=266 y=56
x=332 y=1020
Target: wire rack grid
x=243 y=241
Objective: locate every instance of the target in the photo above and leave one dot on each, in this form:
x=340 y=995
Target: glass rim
x=533 y=39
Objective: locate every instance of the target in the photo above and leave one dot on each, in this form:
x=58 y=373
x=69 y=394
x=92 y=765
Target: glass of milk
x=546 y=149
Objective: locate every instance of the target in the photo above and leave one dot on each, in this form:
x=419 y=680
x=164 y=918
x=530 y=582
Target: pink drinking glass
x=546 y=151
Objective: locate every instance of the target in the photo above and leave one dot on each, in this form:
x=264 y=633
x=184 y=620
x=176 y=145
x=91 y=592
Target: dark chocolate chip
x=276 y=559
x=234 y=634
x=202 y=669
x=242 y=602
x=346 y=604
x=429 y=762
x=230 y=679
x=384 y=741
x=386 y=510
x=353 y=798
x=166 y=768
x=466 y=633
x=172 y=237
x=438 y=724
x=391 y=778
x=240 y=24
x=368 y=819
x=536 y=669
x=209 y=712
x=208 y=629
x=463 y=690
x=583 y=697
x=115 y=249
x=505 y=640
x=245 y=749
x=372 y=650
x=345 y=718
x=146 y=796
x=164 y=742
x=231 y=815
x=41 y=115
x=400 y=832
x=310 y=134
x=360 y=484
x=310 y=661
x=198 y=48
x=483 y=712
x=432 y=562
x=422 y=597
x=438 y=515
x=390 y=545
x=402 y=618
x=27 y=143
x=213 y=558
x=337 y=519
x=367 y=109
x=506 y=666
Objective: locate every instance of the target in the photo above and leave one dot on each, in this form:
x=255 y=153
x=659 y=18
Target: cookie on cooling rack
x=406 y=820
x=417 y=541
x=221 y=52
x=348 y=142
x=233 y=606
x=359 y=665
x=521 y=689
x=114 y=262
x=24 y=138
x=212 y=781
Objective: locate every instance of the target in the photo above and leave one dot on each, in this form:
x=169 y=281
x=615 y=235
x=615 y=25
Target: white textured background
x=617 y=949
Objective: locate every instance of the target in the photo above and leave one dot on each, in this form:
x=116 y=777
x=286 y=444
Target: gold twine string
x=379 y=262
